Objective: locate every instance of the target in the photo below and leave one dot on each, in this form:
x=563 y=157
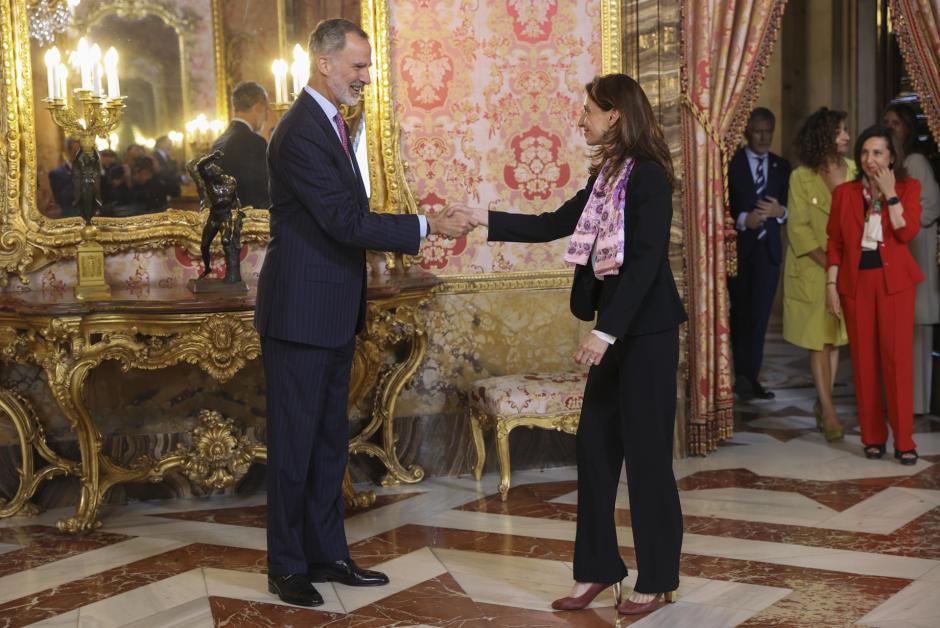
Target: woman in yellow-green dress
x=822 y=143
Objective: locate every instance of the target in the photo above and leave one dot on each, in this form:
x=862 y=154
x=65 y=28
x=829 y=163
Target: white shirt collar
x=328 y=108
x=752 y=156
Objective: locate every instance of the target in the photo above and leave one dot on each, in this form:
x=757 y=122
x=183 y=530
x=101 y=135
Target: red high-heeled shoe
x=638 y=608
x=577 y=603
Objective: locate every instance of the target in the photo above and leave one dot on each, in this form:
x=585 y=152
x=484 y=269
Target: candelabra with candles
x=94 y=114
x=200 y=133
x=300 y=74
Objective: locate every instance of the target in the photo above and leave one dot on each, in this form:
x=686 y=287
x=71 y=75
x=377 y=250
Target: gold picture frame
x=30 y=240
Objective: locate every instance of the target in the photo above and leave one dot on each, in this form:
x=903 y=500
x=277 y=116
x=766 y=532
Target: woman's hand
x=591 y=350
x=885 y=180
x=833 y=302
x=477 y=216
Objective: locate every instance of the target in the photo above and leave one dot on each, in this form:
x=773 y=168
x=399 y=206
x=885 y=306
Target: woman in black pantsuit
x=619 y=228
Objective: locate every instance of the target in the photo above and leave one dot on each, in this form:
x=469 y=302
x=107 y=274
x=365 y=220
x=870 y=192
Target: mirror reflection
x=178 y=103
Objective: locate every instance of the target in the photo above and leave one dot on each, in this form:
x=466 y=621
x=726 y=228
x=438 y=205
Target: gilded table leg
x=355 y=499
x=67 y=387
x=384 y=410
x=31 y=437
x=502 y=454
x=476 y=432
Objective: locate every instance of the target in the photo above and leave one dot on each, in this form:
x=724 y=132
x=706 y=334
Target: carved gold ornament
x=217 y=457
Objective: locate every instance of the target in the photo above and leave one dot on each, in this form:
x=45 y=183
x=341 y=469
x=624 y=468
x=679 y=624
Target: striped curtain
x=726 y=45
x=917 y=27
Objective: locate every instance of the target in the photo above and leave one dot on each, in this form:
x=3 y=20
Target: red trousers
x=881 y=338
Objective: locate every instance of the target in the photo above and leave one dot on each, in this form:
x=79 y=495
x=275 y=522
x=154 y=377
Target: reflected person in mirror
x=167 y=168
x=311 y=302
x=243 y=147
x=62 y=183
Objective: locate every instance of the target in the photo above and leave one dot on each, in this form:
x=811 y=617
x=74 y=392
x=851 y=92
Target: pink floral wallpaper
x=488 y=93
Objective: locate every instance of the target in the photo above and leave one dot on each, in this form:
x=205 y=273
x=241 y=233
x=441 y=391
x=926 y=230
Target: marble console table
x=159 y=327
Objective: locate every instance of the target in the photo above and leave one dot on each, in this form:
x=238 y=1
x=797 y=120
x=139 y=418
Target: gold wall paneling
x=67 y=339
x=641 y=38
x=30 y=240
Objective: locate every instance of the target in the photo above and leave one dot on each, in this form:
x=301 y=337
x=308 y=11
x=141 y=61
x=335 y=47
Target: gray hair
x=761 y=114
x=246 y=95
x=329 y=37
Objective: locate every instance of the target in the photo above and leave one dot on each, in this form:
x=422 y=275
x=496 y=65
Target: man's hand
x=591 y=350
x=771 y=207
x=448 y=223
x=755 y=219
x=476 y=215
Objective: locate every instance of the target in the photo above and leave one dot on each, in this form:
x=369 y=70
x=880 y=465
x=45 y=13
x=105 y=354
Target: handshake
x=456 y=220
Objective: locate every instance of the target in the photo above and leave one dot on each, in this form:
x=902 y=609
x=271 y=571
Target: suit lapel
x=327 y=126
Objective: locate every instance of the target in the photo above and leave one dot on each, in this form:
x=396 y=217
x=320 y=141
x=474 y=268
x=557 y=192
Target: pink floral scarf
x=601 y=225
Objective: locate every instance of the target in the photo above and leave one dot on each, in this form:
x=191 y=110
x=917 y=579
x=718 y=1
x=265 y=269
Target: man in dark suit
x=310 y=304
x=167 y=170
x=243 y=147
x=757 y=181
x=62 y=182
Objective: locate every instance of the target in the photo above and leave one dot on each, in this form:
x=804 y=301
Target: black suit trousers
x=628 y=415
x=751 y=296
x=308 y=436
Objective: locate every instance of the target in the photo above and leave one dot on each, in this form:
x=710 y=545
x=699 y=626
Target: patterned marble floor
x=781 y=529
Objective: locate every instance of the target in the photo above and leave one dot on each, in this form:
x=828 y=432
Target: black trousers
x=629 y=415
x=751 y=296
x=308 y=436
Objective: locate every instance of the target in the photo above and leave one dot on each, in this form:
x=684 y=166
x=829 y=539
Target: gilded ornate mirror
x=178 y=60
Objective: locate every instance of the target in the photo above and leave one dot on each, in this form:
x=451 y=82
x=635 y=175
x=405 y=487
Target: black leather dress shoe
x=346 y=572
x=760 y=392
x=295 y=589
x=743 y=389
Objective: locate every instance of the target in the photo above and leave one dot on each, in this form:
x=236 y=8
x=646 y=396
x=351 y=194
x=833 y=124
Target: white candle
x=52 y=59
x=83 y=54
x=96 y=70
x=279 y=67
x=99 y=72
x=110 y=66
x=62 y=80
x=300 y=69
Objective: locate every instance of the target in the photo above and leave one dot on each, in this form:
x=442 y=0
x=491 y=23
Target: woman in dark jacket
x=619 y=228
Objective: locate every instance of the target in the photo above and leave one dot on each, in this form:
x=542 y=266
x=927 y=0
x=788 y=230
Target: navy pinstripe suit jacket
x=313 y=283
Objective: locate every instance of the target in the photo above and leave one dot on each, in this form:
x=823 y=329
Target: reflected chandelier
x=49 y=17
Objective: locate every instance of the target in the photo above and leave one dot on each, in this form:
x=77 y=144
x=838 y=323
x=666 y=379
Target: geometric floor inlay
x=781 y=529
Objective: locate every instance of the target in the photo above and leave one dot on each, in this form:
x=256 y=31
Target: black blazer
x=744 y=198
x=168 y=174
x=63 y=189
x=312 y=288
x=244 y=158
x=642 y=298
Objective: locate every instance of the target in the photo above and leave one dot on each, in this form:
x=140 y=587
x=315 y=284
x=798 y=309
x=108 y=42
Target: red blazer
x=846 y=223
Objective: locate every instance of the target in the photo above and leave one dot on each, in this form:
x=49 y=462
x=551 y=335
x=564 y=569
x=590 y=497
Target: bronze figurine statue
x=218 y=194
x=87 y=182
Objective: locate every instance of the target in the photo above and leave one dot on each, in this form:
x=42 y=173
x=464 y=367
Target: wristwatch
x=894 y=200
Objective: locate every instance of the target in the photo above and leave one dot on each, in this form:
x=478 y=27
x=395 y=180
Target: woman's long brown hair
x=636 y=134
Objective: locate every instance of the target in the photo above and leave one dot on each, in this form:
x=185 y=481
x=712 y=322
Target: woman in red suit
x=872 y=277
